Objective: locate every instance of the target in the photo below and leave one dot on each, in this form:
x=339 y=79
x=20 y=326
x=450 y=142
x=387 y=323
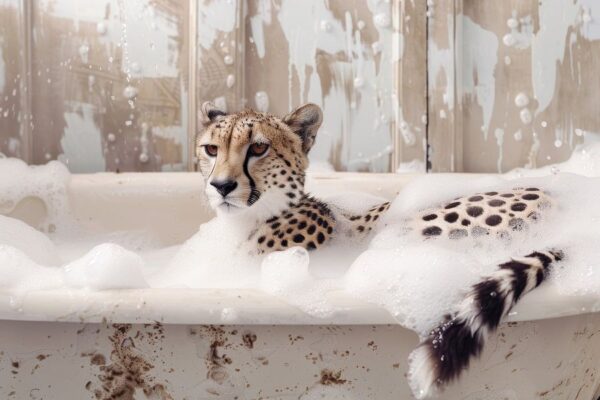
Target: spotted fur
x=254 y=162
x=484 y=214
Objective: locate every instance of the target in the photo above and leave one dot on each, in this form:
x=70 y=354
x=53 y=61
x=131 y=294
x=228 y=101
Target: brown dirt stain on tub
x=127 y=369
x=294 y=339
x=248 y=338
x=329 y=377
x=15 y=367
x=216 y=359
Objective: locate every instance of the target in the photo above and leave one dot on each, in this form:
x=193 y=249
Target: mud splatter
x=329 y=377
x=216 y=359
x=249 y=338
x=127 y=369
x=98 y=359
x=15 y=365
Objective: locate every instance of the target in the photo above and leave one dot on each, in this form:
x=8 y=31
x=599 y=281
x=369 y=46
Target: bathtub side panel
x=547 y=359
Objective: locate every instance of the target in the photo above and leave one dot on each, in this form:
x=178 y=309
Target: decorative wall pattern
x=454 y=85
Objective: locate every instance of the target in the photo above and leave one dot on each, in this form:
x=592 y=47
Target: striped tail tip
x=449 y=348
x=442 y=356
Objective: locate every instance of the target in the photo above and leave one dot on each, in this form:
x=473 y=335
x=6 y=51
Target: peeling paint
x=214 y=17
x=357 y=103
x=256 y=24
x=548 y=47
x=479 y=59
x=81 y=141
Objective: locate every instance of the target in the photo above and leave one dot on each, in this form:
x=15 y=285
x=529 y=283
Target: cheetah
x=254 y=165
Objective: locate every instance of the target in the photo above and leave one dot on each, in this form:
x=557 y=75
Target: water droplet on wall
x=525 y=115
x=101 y=28
x=230 y=81
x=325 y=26
x=521 y=100
x=130 y=92
x=382 y=20
x=376 y=46
x=518 y=135
x=512 y=23
x=509 y=39
x=261 y=99
x=84 y=50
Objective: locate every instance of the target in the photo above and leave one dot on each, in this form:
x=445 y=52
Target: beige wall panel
x=484 y=86
x=109 y=82
x=525 y=73
x=220 y=53
x=411 y=86
x=13 y=140
x=345 y=56
x=444 y=138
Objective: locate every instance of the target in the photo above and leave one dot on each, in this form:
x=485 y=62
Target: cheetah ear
x=209 y=113
x=305 y=122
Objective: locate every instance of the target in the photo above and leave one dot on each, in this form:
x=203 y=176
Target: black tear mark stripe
x=212 y=114
x=461 y=336
x=254 y=193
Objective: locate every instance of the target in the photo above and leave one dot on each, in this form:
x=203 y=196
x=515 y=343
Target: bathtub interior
x=153 y=214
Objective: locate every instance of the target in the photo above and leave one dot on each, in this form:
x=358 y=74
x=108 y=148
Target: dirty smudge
x=329 y=377
x=127 y=368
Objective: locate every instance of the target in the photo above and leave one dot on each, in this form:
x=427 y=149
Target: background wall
x=511 y=83
x=454 y=85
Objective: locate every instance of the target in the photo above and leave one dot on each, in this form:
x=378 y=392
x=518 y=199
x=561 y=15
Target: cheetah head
x=252 y=161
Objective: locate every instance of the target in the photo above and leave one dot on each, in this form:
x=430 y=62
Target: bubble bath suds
x=417 y=281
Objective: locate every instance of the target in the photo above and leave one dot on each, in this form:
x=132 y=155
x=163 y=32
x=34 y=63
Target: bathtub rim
x=205 y=306
x=239 y=306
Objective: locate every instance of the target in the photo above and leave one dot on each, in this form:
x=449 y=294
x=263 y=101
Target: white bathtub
x=176 y=344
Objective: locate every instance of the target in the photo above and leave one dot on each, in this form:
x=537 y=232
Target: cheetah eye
x=258 y=149
x=211 y=150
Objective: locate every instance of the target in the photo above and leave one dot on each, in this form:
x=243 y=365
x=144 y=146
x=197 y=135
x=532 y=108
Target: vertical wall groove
x=26 y=87
x=192 y=74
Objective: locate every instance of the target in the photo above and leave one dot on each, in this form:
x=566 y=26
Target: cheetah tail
x=442 y=356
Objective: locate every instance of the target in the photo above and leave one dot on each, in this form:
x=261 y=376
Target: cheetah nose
x=224 y=187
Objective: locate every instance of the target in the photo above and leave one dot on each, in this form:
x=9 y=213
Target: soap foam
x=107 y=266
x=286 y=274
x=19 y=273
x=215 y=257
x=48 y=183
x=32 y=242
